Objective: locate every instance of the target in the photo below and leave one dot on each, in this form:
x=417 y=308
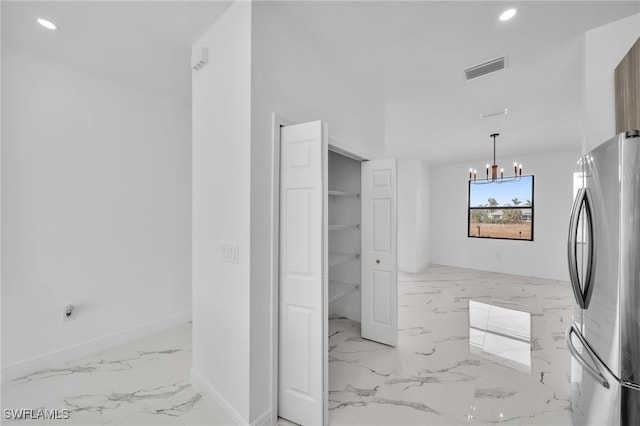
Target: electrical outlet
x=229 y=253
x=68 y=313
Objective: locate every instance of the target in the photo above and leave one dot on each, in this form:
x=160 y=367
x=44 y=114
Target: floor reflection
x=516 y=372
x=501 y=335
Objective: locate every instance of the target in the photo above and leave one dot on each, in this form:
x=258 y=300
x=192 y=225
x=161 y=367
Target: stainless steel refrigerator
x=604 y=265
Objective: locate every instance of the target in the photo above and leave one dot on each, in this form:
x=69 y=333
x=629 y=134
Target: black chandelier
x=517 y=170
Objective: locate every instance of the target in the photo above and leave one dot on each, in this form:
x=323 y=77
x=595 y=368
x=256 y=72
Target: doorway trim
x=277 y=122
x=344 y=150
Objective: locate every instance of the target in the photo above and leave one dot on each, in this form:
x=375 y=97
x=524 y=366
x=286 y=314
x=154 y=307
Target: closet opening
x=334 y=255
x=344 y=216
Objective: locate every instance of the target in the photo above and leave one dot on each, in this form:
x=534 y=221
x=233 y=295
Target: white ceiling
x=410 y=54
x=143 y=44
x=414 y=53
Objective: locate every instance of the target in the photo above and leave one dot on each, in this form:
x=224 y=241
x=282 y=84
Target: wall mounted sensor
x=199 y=58
x=68 y=313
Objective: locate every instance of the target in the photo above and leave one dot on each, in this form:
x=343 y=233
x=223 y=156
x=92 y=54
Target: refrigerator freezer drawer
x=595 y=392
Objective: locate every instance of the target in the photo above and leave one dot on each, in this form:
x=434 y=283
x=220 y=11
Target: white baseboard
x=423 y=266
x=408 y=270
x=214 y=398
x=263 y=420
x=405 y=268
x=56 y=358
x=343 y=311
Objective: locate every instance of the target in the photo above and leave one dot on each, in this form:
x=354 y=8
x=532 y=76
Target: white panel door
x=379 y=252
x=302 y=312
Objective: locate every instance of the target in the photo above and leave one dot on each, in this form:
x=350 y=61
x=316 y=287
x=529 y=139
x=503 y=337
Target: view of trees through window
x=501 y=209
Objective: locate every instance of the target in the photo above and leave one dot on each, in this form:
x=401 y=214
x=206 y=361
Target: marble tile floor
x=503 y=361
x=143 y=382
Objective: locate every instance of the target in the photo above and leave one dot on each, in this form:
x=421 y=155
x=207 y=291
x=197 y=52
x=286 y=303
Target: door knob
x=377 y=260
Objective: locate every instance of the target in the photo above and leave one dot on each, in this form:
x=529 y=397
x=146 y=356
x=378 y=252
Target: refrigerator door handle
x=583 y=296
x=571 y=246
x=593 y=371
x=590 y=275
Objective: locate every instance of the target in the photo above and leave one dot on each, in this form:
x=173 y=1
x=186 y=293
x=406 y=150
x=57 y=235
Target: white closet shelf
x=337 y=289
x=338 y=258
x=344 y=194
x=337 y=227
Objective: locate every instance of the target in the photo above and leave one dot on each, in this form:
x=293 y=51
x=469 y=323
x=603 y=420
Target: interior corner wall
x=423 y=216
x=413 y=215
x=407 y=210
x=545 y=257
x=96 y=212
x=221 y=211
x=605 y=47
x=292 y=78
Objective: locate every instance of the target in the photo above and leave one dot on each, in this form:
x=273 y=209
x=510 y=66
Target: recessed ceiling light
x=508 y=14
x=47 y=24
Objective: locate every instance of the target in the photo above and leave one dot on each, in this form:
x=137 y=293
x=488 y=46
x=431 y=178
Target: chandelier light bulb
x=494 y=177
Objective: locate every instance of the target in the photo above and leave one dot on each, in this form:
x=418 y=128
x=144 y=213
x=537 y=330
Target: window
x=501 y=209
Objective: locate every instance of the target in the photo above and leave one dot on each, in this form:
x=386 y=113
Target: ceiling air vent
x=486 y=68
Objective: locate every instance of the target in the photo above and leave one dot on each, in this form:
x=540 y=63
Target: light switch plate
x=229 y=253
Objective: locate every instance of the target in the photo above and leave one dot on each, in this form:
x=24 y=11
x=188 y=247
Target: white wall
x=221 y=212
x=413 y=215
x=301 y=83
x=407 y=210
x=423 y=217
x=605 y=47
x=545 y=257
x=258 y=65
x=96 y=211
